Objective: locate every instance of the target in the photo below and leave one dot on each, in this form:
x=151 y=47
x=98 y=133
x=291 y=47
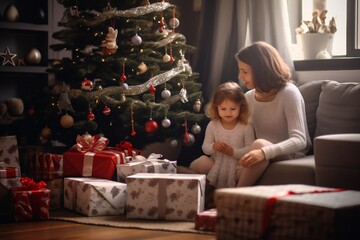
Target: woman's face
x=245 y=74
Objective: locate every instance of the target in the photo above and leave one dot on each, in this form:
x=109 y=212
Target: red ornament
x=123 y=78
x=133 y=133
x=152 y=89
x=172 y=60
x=31 y=111
x=106 y=110
x=87 y=85
x=151 y=126
x=91 y=116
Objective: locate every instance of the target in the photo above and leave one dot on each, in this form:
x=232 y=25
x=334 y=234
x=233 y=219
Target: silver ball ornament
x=136 y=40
x=189 y=140
x=174 y=22
x=34 y=56
x=165 y=94
x=197 y=105
x=124 y=86
x=196 y=129
x=166 y=123
x=174 y=143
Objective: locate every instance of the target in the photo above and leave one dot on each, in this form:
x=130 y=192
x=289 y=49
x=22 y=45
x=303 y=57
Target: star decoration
x=8 y=57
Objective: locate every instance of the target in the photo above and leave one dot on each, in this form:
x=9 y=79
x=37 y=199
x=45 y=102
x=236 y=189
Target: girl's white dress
x=222 y=174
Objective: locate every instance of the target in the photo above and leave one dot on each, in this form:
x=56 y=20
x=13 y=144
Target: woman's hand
x=251 y=158
x=223 y=148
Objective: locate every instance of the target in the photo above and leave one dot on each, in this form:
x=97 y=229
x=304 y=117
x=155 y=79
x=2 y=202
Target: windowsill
x=336 y=63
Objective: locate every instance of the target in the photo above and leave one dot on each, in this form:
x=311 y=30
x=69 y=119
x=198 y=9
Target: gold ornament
x=197 y=105
x=45 y=133
x=66 y=121
x=8 y=57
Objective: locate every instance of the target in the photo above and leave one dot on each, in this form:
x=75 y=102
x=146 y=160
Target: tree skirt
x=123 y=222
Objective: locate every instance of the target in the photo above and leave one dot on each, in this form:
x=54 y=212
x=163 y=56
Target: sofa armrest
x=337 y=161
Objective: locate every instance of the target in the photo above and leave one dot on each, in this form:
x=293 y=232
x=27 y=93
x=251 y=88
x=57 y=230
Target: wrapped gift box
x=101 y=198
x=149 y=165
x=5 y=185
x=30 y=202
x=9 y=172
x=49 y=166
x=165 y=196
x=100 y=164
x=28 y=157
x=94 y=197
x=56 y=187
x=9 y=153
x=206 y=220
x=287 y=212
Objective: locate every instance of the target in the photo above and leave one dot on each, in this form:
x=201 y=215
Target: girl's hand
x=218 y=146
x=251 y=158
x=223 y=148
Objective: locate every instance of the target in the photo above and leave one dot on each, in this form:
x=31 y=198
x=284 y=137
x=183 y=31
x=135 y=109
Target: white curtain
x=229 y=25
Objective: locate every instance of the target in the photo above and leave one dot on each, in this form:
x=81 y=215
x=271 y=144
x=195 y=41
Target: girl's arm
x=209 y=139
x=249 y=138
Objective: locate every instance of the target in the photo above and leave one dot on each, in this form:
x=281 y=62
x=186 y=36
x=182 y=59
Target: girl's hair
x=268 y=68
x=233 y=92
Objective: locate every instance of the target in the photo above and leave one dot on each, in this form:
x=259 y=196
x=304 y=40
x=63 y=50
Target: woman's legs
x=249 y=176
x=202 y=165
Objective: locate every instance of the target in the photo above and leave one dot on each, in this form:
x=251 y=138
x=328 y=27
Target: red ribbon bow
x=124 y=145
x=30 y=184
x=94 y=144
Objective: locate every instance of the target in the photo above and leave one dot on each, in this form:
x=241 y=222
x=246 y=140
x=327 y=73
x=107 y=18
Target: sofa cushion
x=339 y=108
x=311 y=93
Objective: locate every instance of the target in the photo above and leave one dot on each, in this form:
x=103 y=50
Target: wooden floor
x=51 y=229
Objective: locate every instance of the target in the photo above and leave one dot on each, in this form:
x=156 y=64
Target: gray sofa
x=333 y=117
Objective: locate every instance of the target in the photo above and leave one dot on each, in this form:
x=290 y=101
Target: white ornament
x=136 y=40
x=11 y=13
x=183 y=96
x=174 y=143
x=87 y=85
x=165 y=94
x=196 y=129
x=166 y=57
x=124 y=86
x=143 y=68
x=174 y=22
x=323 y=55
x=189 y=140
x=166 y=122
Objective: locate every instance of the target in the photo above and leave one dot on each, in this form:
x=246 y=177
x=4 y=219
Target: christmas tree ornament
x=87 y=85
x=124 y=86
x=151 y=126
x=122 y=98
x=33 y=57
x=66 y=121
x=8 y=57
x=183 y=94
x=197 y=106
x=166 y=57
x=11 y=13
x=174 y=22
x=123 y=76
x=142 y=68
x=45 y=133
x=106 y=110
x=165 y=122
x=152 y=89
x=91 y=116
x=174 y=143
x=165 y=94
x=189 y=139
x=88 y=50
x=64 y=102
x=109 y=45
x=15 y=106
x=196 y=129
x=136 y=40
x=172 y=59
x=31 y=111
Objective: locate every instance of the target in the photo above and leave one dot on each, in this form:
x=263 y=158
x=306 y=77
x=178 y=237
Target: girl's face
x=245 y=74
x=229 y=110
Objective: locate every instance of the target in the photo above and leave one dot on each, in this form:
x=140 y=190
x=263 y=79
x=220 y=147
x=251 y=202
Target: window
x=346 y=43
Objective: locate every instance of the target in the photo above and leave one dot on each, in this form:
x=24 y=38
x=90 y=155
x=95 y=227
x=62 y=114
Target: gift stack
x=287 y=212
x=10 y=173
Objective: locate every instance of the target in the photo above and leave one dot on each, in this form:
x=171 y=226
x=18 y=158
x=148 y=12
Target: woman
x=277 y=111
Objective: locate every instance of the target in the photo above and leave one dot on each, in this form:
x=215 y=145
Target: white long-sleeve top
x=222 y=174
x=281 y=121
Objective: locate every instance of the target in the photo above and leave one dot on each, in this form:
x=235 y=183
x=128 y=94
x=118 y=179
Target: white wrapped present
x=152 y=164
x=291 y=211
x=101 y=198
x=165 y=196
x=9 y=153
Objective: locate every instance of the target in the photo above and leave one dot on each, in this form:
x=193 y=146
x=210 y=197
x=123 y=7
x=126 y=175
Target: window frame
x=352 y=35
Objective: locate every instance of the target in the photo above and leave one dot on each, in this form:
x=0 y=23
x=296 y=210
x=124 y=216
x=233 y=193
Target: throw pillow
x=339 y=108
x=311 y=93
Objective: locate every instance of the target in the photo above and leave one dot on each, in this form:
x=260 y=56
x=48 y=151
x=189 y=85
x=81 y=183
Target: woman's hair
x=233 y=92
x=268 y=68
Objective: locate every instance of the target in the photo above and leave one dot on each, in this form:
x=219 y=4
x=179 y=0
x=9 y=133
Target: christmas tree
x=128 y=77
